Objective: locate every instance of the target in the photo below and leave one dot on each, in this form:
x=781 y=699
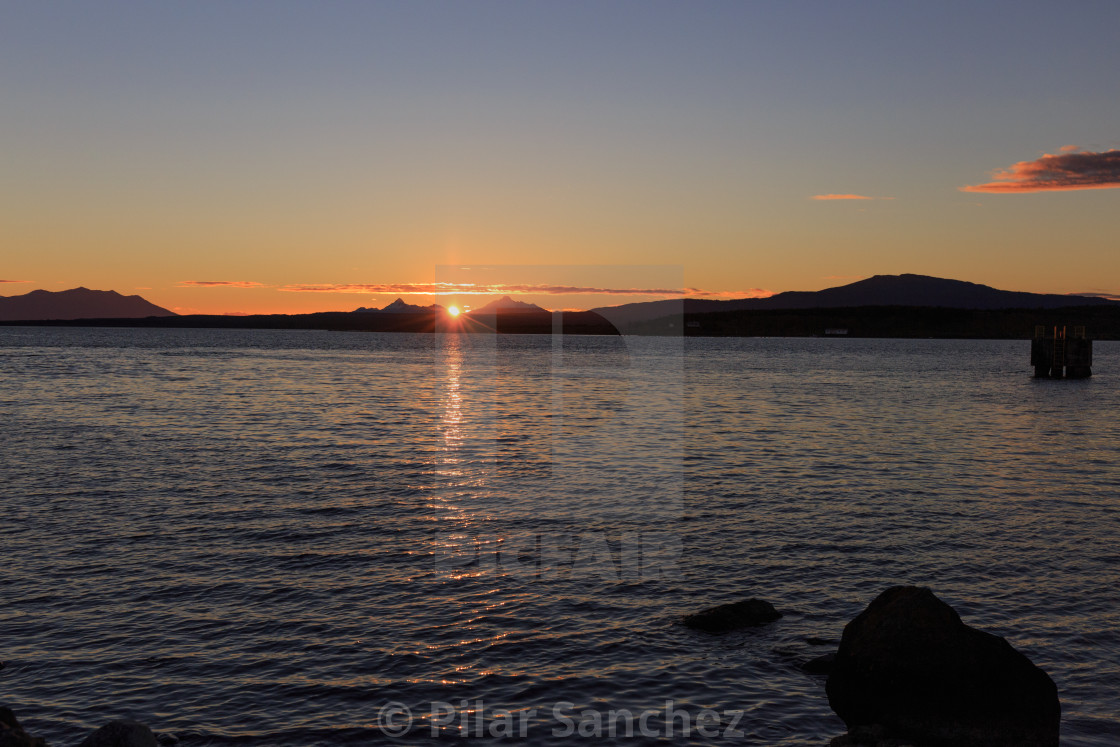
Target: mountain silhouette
x=504 y=304
x=880 y=290
x=76 y=303
x=401 y=307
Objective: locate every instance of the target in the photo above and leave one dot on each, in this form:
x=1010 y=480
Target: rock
x=13 y=735
x=874 y=735
x=725 y=617
x=820 y=665
x=870 y=734
x=8 y=719
x=815 y=641
x=909 y=664
x=121 y=733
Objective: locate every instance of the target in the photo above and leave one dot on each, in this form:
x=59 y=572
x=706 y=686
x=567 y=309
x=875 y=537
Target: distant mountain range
x=500 y=306
x=400 y=307
x=916 y=291
x=506 y=304
x=880 y=290
x=76 y=303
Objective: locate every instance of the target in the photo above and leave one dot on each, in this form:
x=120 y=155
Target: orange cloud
x=1071 y=169
x=15 y=281
x=749 y=293
x=426 y=289
x=843 y=197
x=451 y=289
x=219 y=284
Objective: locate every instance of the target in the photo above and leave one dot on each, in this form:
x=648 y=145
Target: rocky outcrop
x=122 y=733
x=909 y=669
x=820 y=664
x=725 y=617
x=13 y=735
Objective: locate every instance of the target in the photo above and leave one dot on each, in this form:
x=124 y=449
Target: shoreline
x=863 y=322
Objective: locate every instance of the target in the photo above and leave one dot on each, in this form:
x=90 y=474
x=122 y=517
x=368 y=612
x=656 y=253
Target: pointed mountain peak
x=400 y=306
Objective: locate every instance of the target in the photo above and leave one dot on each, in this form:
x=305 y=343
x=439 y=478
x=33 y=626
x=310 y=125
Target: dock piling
x=1055 y=354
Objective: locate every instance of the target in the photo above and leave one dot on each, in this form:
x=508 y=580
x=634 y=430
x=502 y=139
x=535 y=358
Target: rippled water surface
x=264 y=537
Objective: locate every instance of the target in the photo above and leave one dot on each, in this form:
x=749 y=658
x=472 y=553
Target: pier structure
x=1058 y=355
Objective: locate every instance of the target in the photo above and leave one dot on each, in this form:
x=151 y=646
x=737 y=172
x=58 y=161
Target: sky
x=252 y=156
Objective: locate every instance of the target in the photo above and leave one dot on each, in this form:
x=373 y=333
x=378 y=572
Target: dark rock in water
x=820 y=665
x=814 y=641
x=909 y=664
x=122 y=733
x=727 y=617
x=874 y=735
x=13 y=735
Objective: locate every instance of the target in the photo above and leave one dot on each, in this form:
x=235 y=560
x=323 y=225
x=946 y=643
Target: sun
x=453 y=310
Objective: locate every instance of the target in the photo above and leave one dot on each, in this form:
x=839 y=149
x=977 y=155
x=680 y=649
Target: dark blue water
x=265 y=538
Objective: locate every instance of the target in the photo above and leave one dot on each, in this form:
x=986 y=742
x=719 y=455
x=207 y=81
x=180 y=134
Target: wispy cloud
x=220 y=284
x=15 y=281
x=458 y=289
x=748 y=293
x=1072 y=168
x=1098 y=294
x=849 y=197
x=404 y=289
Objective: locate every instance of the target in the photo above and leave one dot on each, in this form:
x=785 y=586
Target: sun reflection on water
x=452 y=418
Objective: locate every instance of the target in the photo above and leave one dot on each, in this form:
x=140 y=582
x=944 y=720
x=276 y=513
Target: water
x=265 y=537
